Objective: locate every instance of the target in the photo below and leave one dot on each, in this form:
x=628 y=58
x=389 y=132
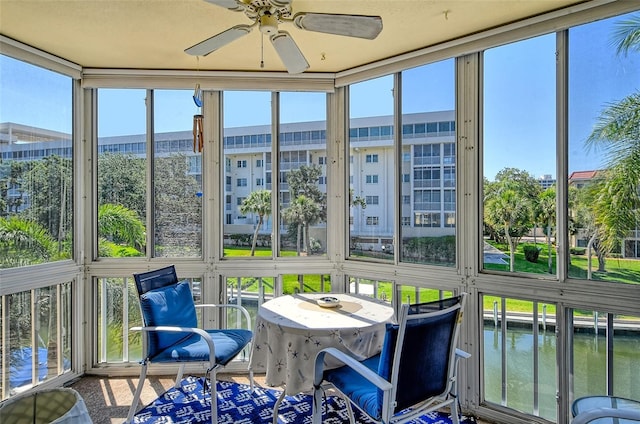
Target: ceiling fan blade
x=212 y=44
x=280 y=3
x=360 y=26
x=227 y=4
x=289 y=52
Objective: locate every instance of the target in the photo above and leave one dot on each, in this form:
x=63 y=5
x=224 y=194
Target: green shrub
x=577 y=250
x=531 y=253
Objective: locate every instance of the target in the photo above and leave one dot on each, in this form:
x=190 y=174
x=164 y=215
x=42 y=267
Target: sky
x=519 y=99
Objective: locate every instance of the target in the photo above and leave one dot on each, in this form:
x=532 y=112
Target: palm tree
x=121 y=226
x=508 y=206
x=303 y=212
x=509 y=211
x=24 y=242
x=547 y=215
x=627 y=36
x=258 y=202
x=303 y=182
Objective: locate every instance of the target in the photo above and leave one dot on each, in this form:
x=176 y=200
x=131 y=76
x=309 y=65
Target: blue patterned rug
x=237 y=404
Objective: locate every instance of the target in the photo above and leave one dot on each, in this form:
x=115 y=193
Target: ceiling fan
x=268 y=14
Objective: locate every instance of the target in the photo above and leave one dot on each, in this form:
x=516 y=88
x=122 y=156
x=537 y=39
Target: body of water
x=589 y=368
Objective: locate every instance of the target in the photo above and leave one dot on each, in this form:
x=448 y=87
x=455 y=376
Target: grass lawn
x=618 y=270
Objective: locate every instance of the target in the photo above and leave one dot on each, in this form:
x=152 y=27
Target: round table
x=290 y=330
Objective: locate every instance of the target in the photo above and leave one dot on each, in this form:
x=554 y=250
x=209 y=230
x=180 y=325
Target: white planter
x=54 y=406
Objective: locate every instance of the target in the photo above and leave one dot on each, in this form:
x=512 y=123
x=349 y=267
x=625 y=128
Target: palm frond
x=617 y=130
x=626 y=36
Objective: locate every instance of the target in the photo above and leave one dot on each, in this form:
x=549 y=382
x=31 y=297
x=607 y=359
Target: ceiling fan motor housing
x=268 y=24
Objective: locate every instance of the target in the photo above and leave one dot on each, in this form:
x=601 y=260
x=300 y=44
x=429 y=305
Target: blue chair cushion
x=171 y=305
x=228 y=343
x=357 y=388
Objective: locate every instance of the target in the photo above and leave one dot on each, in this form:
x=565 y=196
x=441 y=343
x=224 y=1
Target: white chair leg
x=214 y=396
x=277 y=406
x=179 y=376
x=251 y=383
x=455 y=413
x=136 y=395
x=352 y=418
x=316 y=407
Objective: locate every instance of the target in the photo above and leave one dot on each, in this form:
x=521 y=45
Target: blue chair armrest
x=588 y=416
x=351 y=362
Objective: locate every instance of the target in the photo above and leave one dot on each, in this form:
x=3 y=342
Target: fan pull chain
x=262 y=51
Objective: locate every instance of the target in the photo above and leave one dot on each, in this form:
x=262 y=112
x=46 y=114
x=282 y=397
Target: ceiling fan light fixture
x=289 y=53
x=268 y=24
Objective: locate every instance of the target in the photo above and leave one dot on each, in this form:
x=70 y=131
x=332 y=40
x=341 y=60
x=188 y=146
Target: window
x=44 y=315
x=406 y=178
x=406 y=221
x=368 y=99
x=302 y=197
x=426 y=199
x=259 y=182
x=122 y=182
x=425 y=219
x=36 y=116
x=177 y=184
x=372 y=200
x=242 y=111
x=519 y=82
x=603 y=159
x=449 y=153
x=406 y=199
x=426 y=154
x=372 y=220
x=241 y=164
x=240 y=200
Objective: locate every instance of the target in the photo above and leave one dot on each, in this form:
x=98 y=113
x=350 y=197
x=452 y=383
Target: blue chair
x=416 y=368
x=171 y=334
x=605 y=410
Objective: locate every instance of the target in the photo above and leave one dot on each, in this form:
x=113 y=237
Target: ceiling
x=152 y=34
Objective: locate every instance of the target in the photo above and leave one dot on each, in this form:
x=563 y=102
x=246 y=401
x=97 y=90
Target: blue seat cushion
x=170 y=305
x=364 y=394
x=357 y=388
x=228 y=343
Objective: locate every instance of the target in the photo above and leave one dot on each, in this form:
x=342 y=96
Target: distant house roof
x=583 y=175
